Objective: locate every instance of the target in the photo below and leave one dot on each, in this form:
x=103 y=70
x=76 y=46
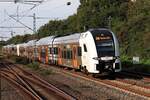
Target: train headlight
x=107 y=58
x=96 y=58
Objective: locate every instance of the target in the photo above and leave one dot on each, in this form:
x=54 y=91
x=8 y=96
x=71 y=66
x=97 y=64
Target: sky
x=49 y=9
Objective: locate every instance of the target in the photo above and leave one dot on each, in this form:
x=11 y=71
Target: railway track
x=137 y=75
x=31 y=85
x=128 y=86
x=122 y=85
x=119 y=83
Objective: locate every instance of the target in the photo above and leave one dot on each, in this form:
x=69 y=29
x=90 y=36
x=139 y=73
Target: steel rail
x=17 y=85
x=111 y=84
x=21 y=82
x=136 y=74
x=47 y=85
x=107 y=83
x=32 y=79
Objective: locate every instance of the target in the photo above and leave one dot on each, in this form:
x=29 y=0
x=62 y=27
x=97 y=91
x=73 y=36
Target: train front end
x=100 y=51
x=107 y=49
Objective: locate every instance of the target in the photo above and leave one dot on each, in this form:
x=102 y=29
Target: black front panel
x=102 y=64
x=104 y=42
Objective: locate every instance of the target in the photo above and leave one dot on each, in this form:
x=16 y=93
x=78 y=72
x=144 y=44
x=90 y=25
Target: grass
x=19 y=60
x=45 y=72
x=34 y=65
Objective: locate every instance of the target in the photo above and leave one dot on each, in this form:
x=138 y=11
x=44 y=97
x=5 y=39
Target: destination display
x=102 y=37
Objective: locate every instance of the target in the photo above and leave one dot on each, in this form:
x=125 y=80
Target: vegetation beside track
x=36 y=66
x=143 y=66
x=33 y=65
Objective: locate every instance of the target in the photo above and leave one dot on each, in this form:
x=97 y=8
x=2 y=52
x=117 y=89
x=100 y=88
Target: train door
x=50 y=55
x=46 y=50
x=55 y=55
x=59 y=56
x=75 y=65
x=62 y=55
x=39 y=54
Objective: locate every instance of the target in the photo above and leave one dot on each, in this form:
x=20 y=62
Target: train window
x=64 y=54
x=50 y=50
x=85 y=48
x=55 y=50
x=70 y=54
x=13 y=49
x=43 y=50
x=79 y=51
x=43 y=54
x=35 y=50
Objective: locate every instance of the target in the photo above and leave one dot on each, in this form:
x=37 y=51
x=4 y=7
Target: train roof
x=31 y=43
x=45 y=41
x=9 y=45
x=98 y=29
x=67 y=39
x=22 y=44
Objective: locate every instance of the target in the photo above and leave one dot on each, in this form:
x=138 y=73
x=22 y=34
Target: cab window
x=79 y=51
x=85 y=48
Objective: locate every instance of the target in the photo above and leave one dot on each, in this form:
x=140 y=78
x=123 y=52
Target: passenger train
x=94 y=51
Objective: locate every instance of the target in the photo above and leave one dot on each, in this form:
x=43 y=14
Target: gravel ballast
x=8 y=92
x=83 y=89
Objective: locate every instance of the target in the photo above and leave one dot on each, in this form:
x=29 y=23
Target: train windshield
x=104 y=42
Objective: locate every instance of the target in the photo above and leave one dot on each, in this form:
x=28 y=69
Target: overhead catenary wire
x=30 y=9
x=21 y=23
x=26 y=11
x=6 y=0
x=15 y=13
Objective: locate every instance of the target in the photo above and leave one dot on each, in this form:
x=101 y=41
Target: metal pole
x=34 y=23
x=17 y=12
x=34 y=32
x=109 y=22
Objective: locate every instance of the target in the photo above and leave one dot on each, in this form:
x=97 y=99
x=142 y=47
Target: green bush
x=145 y=61
x=34 y=65
x=126 y=61
x=21 y=60
x=125 y=58
x=143 y=66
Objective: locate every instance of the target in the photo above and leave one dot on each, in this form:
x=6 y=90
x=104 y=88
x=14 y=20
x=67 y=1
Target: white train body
x=99 y=51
